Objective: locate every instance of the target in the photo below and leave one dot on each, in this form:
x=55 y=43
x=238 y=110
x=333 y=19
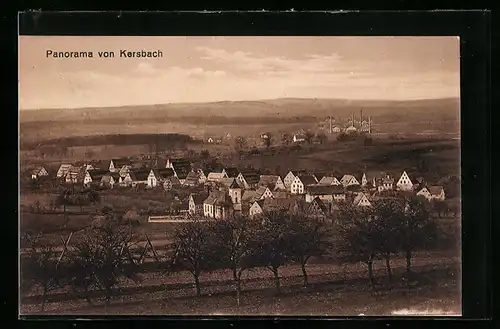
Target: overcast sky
x=206 y=69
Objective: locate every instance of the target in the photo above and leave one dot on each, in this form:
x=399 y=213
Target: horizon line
x=239 y=101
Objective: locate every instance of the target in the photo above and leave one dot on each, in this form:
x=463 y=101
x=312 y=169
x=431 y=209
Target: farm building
x=299 y=138
x=218 y=205
x=196 y=203
x=329 y=180
x=385 y=183
x=319 y=175
x=361 y=200
x=231 y=172
x=336 y=129
x=170 y=182
x=75 y=175
x=290 y=177
x=351 y=129
x=227 y=183
x=136 y=177
x=404 y=183
x=301 y=182
x=432 y=193
x=327 y=193
x=318 y=208
x=111 y=179
x=94 y=177
x=63 y=170
x=248 y=178
x=180 y=166
x=39 y=172
x=116 y=164
x=273 y=182
x=348 y=180
x=192 y=179
x=216 y=176
x=157 y=176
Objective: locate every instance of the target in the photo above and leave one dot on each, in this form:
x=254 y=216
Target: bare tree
x=322 y=138
x=271 y=248
x=235 y=239
x=286 y=138
x=309 y=136
x=195 y=251
x=240 y=143
x=388 y=214
x=41 y=267
x=418 y=230
x=101 y=257
x=64 y=199
x=307 y=239
x=358 y=240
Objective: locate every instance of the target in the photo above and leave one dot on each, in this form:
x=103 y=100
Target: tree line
x=107 y=252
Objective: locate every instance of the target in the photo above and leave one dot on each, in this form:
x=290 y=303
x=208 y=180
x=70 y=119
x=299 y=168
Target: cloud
x=248 y=62
x=223 y=75
x=145 y=68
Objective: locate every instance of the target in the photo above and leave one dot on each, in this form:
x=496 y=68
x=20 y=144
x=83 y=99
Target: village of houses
x=222 y=191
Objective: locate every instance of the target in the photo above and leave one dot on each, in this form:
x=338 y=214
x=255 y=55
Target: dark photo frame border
x=473 y=28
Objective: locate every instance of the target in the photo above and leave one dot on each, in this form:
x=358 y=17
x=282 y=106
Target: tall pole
x=156 y=151
x=330 y=119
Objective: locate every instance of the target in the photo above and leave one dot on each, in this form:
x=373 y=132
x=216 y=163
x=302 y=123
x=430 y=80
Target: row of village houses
x=246 y=190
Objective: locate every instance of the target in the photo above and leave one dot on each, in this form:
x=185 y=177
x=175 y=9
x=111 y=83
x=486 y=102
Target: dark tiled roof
x=232 y=172
x=300 y=173
x=435 y=190
x=260 y=192
x=268 y=180
x=97 y=173
x=37 y=170
x=182 y=172
x=324 y=189
x=192 y=178
x=308 y=180
x=319 y=175
x=118 y=163
x=251 y=176
x=139 y=175
x=277 y=204
x=320 y=204
x=199 y=198
x=173 y=180
x=162 y=173
x=218 y=198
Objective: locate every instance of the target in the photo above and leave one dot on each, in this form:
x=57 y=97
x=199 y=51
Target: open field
x=440 y=155
x=248 y=118
x=333 y=290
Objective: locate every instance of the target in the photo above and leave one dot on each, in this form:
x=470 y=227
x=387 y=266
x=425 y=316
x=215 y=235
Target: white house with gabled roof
x=404 y=183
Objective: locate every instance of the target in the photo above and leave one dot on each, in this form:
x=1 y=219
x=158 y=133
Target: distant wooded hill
x=241 y=112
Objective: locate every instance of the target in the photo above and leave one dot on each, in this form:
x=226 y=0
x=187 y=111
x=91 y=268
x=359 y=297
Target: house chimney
x=369 y=124
x=360 y=116
x=330 y=119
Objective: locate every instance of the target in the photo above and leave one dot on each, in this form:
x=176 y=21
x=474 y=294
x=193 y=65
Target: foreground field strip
x=265 y=290
x=155 y=276
x=179 y=281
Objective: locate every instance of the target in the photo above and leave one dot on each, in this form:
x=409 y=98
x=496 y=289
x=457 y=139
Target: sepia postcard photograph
x=239 y=176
